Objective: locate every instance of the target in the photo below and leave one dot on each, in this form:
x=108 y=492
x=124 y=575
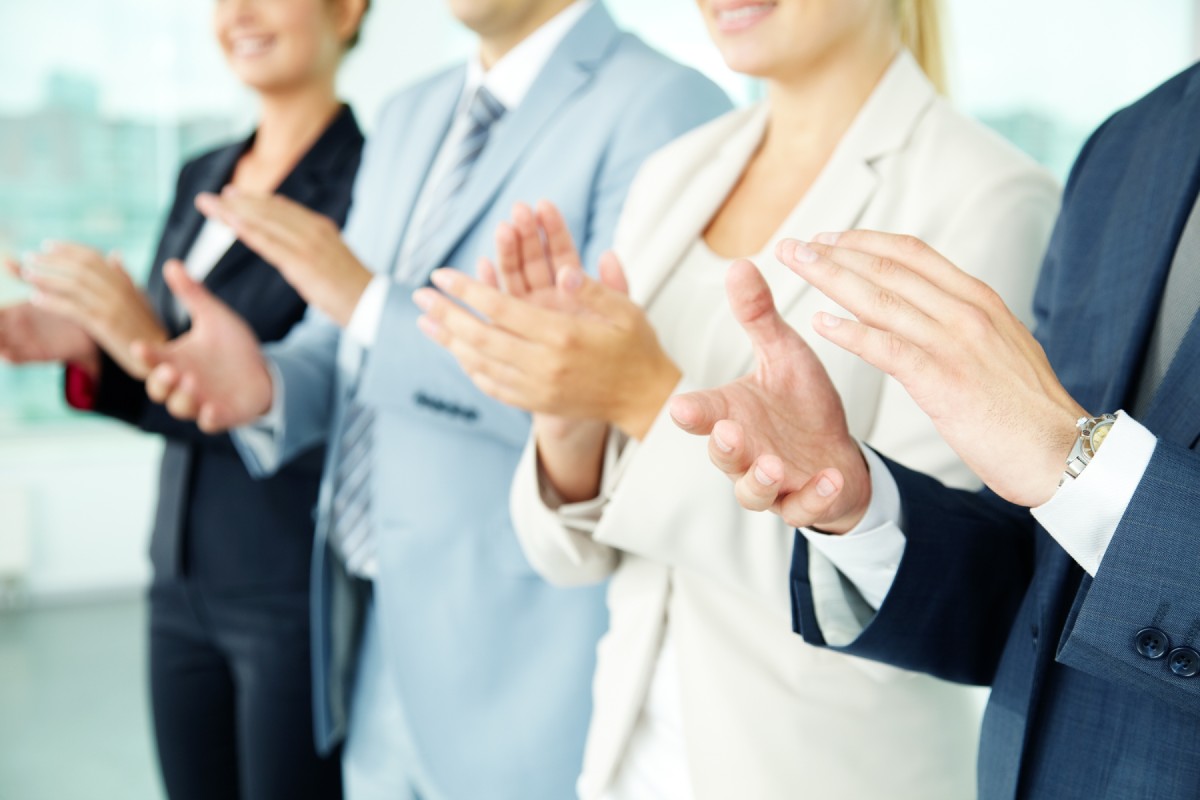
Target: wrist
x=643 y=407
x=344 y=295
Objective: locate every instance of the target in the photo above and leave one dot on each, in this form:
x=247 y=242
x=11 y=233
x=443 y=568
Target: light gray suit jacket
x=493 y=665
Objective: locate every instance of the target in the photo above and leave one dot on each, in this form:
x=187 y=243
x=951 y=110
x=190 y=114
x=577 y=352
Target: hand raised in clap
x=780 y=432
x=215 y=373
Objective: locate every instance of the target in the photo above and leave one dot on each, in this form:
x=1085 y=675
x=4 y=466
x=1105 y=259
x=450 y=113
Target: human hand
x=29 y=334
x=306 y=247
x=95 y=292
x=600 y=361
x=215 y=373
x=961 y=354
x=780 y=432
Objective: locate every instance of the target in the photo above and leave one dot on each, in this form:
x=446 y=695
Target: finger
x=182 y=405
x=758 y=487
x=193 y=296
x=502 y=310
x=612 y=274
x=72 y=251
x=161 y=382
x=538 y=270
x=508 y=258
x=115 y=260
x=148 y=353
x=754 y=309
x=453 y=327
x=727 y=449
x=698 y=412
x=813 y=502
x=62 y=305
x=559 y=243
x=270 y=226
x=913 y=253
x=876 y=306
x=884 y=350
x=485 y=270
x=12 y=267
x=500 y=376
x=579 y=291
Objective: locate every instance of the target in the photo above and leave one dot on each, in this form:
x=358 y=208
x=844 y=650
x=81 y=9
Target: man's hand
x=967 y=361
x=304 y=246
x=214 y=373
x=780 y=432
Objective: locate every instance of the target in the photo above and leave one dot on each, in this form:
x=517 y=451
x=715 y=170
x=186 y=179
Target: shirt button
x=1151 y=643
x=1184 y=661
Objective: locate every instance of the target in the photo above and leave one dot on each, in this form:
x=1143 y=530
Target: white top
x=509 y=80
x=211 y=245
x=655 y=764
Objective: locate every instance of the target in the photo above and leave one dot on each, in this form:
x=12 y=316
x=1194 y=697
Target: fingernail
x=572 y=280
x=825 y=487
x=422 y=299
x=724 y=448
x=827 y=238
x=762 y=477
x=803 y=254
x=829 y=320
x=428 y=327
x=444 y=279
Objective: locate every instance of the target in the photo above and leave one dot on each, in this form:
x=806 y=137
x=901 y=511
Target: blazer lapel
x=428 y=127
x=1173 y=170
x=214 y=174
x=687 y=201
x=570 y=68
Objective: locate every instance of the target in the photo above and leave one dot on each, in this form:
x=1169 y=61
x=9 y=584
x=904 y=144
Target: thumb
x=698 y=412
x=754 y=308
x=198 y=301
x=612 y=274
x=151 y=354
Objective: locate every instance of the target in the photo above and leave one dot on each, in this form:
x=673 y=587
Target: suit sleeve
x=1147 y=579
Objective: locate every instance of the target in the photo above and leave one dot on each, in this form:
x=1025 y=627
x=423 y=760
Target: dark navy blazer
x=985 y=596
x=214 y=521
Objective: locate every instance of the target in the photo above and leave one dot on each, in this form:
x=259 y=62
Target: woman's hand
x=95 y=293
x=29 y=334
x=593 y=356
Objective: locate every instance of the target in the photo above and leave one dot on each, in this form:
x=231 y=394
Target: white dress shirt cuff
x=259 y=438
x=868 y=554
x=1084 y=513
x=363 y=327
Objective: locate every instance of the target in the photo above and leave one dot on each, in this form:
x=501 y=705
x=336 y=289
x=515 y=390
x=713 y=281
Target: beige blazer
x=765 y=715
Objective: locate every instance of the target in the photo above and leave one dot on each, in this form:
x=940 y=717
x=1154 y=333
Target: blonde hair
x=920 y=23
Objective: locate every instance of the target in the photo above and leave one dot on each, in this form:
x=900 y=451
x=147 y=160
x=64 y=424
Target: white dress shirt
x=509 y=80
x=1082 y=516
x=211 y=245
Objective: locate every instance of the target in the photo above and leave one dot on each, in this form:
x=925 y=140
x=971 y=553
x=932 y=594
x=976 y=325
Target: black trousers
x=232 y=698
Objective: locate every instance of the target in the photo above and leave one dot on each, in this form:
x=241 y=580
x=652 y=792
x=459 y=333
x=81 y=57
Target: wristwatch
x=1092 y=431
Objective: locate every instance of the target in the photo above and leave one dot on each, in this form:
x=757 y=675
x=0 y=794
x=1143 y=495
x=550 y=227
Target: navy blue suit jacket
x=215 y=522
x=983 y=595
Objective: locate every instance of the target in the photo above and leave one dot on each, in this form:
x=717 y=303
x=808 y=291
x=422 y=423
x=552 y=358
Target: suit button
x=1184 y=661
x=1151 y=642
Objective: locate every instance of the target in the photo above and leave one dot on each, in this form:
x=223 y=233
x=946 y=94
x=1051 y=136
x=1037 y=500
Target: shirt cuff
x=1084 y=513
x=869 y=554
x=363 y=327
x=260 y=438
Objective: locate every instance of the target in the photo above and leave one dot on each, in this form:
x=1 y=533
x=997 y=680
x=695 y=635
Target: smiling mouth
x=737 y=19
x=251 y=46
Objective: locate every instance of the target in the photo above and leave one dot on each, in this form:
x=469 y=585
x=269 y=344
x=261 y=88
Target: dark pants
x=230 y=688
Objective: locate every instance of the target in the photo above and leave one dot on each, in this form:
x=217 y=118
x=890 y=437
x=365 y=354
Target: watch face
x=1098 y=435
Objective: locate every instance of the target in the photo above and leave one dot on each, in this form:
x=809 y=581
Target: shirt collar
x=510 y=78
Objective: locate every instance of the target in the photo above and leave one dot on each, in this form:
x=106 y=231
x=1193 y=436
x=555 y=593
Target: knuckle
x=884 y=267
x=910 y=245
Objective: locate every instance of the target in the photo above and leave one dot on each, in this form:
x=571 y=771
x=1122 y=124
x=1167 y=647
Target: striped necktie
x=350 y=523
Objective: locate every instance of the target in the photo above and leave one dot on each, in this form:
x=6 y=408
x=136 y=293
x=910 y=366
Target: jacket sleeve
x=1147 y=579
x=968 y=561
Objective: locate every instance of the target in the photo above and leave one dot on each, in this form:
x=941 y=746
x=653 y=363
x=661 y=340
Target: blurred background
x=100 y=104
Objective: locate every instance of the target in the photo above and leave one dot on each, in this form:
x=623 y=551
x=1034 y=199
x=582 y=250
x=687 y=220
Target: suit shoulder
x=966 y=149
x=1149 y=116
x=633 y=59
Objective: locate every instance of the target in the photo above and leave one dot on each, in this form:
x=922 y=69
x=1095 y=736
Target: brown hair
x=920 y=24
